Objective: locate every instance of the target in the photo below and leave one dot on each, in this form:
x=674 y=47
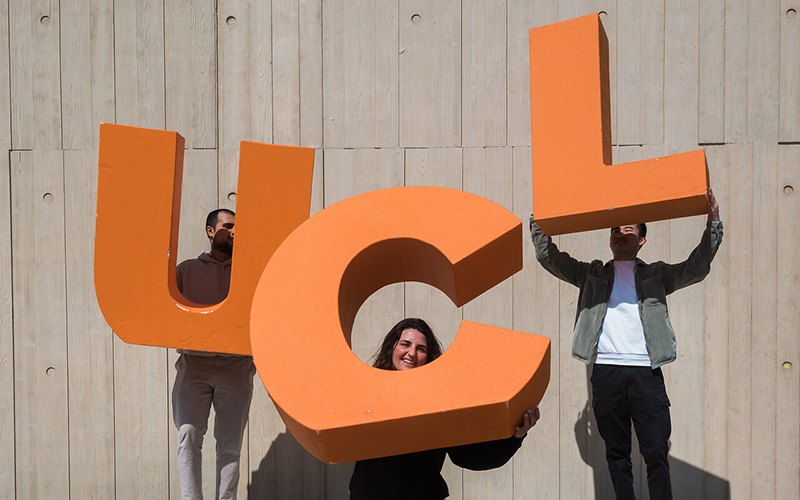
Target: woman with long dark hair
x=410 y=344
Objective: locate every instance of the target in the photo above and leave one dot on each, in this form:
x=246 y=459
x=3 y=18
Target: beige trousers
x=227 y=383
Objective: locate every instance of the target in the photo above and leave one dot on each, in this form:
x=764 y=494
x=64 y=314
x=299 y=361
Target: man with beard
x=206 y=378
x=622 y=329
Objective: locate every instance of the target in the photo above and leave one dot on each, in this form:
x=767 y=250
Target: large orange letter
x=139 y=182
x=575 y=187
x=339 y=408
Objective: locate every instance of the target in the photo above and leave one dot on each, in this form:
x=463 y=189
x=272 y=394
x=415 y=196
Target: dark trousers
x=625 y=394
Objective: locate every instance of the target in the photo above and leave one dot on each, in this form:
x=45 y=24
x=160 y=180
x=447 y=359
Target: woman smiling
x=411 y=344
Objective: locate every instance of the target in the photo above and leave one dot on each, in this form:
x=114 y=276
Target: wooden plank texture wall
x=394 y=93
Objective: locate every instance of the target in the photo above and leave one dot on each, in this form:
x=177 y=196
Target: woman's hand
x=529 y=419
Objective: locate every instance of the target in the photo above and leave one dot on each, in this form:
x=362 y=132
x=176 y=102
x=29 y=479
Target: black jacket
x=418 y=475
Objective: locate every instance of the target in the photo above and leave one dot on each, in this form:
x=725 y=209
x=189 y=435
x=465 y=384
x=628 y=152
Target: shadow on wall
x=288 y=471
x=688 y=481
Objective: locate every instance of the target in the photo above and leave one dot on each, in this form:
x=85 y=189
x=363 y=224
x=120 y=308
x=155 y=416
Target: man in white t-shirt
x=622 y=328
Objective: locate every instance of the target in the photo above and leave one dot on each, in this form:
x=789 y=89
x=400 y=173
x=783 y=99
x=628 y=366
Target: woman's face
x=410 y=351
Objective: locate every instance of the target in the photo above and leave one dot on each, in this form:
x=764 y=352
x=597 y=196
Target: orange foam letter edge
x=341 y=409
x=575 y=187
x=139 y=184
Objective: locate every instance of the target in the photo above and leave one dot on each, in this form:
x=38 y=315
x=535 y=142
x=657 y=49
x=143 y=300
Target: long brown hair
x=383 y=358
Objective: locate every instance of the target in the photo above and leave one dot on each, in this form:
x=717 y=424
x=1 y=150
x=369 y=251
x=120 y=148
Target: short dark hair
x=213 y=216
x=642 y=227
x=383 y=358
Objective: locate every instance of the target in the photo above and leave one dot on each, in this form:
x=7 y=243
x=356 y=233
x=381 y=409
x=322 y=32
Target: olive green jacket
x=653 y=283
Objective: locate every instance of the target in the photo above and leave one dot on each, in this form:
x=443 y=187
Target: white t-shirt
x=621 y=339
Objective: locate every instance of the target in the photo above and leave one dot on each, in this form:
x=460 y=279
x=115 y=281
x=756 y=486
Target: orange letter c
x=304 y=306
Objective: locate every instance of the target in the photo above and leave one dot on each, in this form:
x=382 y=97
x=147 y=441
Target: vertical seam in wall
x=8 y=79
x=164 y=61
x=460 y=144
x=299 y=78
x=506 y=142
x=513 y=325
x=299 y=136
x=271 y=66
x=167 y=420
x=697 y=80
x=461 y=89
x=219 y=126
x=13 y=364
x=322 y=91
x=114 y=85
x=113 y=348
x=183 y=164
x=663 y=75
x=400 y=51
x=319 y=38
x=60 y=93
x=397 y=96
x=559 y=336
x=216 y=87
x=66 y=307
x=724 y=137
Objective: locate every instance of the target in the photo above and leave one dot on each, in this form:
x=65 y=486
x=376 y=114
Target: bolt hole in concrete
x=48 y=198
x=603 y=15
x=416 y=19
x=51 y=372
x=791 y=13
x=788 y=190
x=231 y=196
x=230 y=21
x=45 y=20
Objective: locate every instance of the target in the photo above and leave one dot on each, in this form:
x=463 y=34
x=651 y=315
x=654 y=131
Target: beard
x=221 y=243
